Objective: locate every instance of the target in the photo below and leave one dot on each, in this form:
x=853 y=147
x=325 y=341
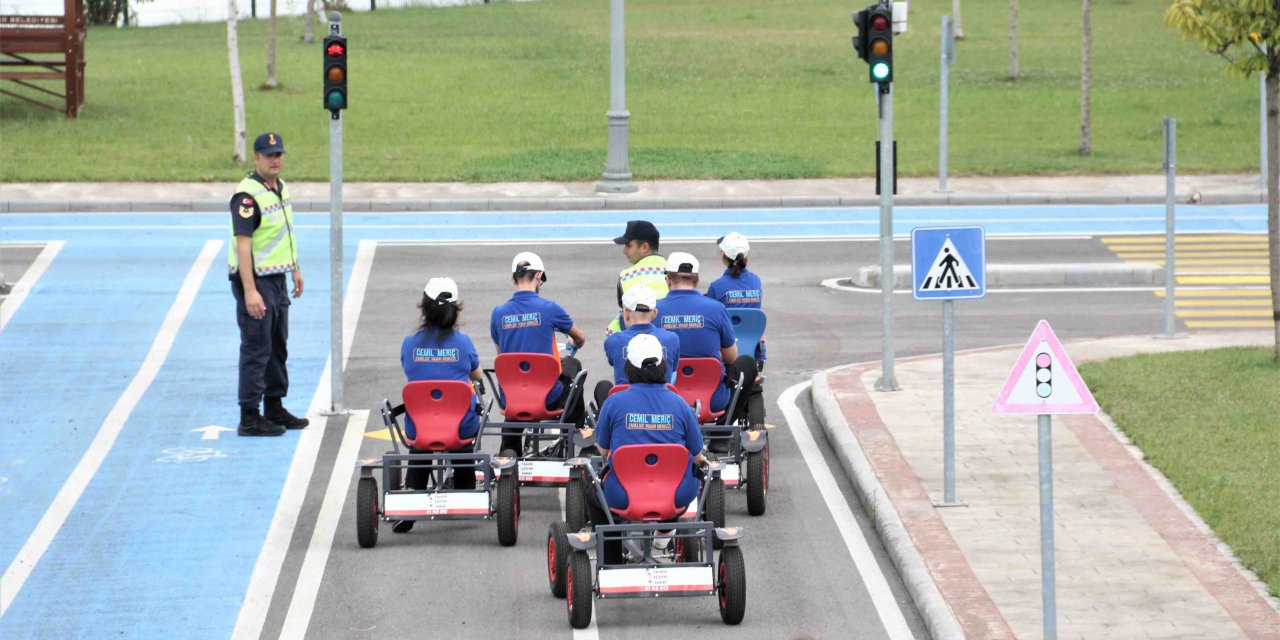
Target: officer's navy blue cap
x=642 y=230
x=268 y=143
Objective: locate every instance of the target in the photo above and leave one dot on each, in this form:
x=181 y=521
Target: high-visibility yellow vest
x=650 y=271
x=274 y=248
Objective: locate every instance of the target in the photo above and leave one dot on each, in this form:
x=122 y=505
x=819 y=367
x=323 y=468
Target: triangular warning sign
x=948 y=272
x=1044 y=381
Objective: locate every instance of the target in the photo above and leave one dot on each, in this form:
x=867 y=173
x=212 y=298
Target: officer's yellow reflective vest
x=274 y=249
x=650 y=271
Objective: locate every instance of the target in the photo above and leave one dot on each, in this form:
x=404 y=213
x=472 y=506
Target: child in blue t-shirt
x=738 y=287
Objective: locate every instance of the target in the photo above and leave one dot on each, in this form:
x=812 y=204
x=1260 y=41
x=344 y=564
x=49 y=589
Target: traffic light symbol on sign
x=335 y=73
x=1044 y=375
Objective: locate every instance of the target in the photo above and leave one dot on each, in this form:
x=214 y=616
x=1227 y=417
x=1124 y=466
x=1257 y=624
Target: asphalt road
x=454 y=580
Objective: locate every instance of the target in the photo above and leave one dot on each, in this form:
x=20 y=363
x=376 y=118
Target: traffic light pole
x=888 y=381
x=335 y=246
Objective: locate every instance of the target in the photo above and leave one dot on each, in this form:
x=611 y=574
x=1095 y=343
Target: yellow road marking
x=1250 y=262
x=1240 y=279
x=1230 y=324
x=380 y=434
x=1196 y=270
x=1259 y=248
x=1214 y=293
x=1185 y=238
x=1251 y=302
x=1224 y=313
x=1143 y=257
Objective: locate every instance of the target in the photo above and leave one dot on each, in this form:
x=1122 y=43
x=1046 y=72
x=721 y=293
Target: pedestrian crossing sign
x=948 y=263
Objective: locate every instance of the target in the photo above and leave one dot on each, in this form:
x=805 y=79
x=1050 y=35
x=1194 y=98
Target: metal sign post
x=1048 y=567
x=948 y=59
x=1170 y=267
x=335 y=246
x=948 y=263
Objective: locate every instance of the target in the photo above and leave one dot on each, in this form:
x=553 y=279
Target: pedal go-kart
x=743 y=450
x=437 y=407
x=521 y=382
x=686 y=565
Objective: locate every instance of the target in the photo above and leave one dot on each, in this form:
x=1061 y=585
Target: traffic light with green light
x=879 y=42
x=335 y=74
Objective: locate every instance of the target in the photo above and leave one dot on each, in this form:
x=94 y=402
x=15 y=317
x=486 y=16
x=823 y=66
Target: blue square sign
x=948 y=263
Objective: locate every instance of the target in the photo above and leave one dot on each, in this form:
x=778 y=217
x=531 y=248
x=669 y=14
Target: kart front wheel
x=731 y=585
x=367 y=512
x=578 y=589
x=557 y=558
x=508 y=509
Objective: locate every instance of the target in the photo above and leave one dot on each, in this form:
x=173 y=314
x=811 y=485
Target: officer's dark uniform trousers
x=263 y=343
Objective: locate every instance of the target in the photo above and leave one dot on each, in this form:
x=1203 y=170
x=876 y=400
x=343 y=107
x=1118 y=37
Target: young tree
x=1246 y=34
x=1013 y=39
x=237 y=87
x=1086 y=83
x=271 y=50
x=309 y=33
x=957 y=31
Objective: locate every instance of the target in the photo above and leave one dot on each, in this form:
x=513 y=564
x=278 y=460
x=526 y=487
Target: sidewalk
x=673 y=194
x=1133 y=560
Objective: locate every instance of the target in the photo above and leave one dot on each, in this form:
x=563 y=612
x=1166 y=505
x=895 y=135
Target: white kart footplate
x=435 y=504
x=657 y=580
x=732 y=474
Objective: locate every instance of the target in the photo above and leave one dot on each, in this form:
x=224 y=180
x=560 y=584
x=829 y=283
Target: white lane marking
x=45 y=531
x=317 y=557
x=864 y=561
x=266 y=572
x=698 y=240
x=28 y=280
x=834 y=283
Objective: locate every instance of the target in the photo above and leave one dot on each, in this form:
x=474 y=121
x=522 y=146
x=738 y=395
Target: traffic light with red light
x=335 y=74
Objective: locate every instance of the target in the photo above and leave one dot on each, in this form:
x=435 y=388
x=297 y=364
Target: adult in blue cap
x=262 y=252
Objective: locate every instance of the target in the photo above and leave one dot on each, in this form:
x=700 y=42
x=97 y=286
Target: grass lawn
x=740 y=89
x=1210 y=421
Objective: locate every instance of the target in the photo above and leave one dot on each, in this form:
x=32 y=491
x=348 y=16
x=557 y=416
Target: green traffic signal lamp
x=880 y=72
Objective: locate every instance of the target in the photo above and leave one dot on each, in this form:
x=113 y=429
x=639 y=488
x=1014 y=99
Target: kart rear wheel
x=575 y=501
x=731 y=585
x=578 y=589
x=367 y=512
x=557 y=558
x=508 y=509
x=757 y=481
x=715 y=508
x=689 y=549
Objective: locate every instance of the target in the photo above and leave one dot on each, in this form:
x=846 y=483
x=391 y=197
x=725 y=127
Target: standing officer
x=640 y=246
x=262 y=251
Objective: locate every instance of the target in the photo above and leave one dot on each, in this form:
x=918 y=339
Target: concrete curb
x=1034 y=275
x=935 y=613
x=631 y=203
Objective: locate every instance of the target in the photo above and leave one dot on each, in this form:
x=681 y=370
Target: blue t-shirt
x=648 y=414
x=527 y=323
x=743 y=291
x=615 y=348
x=704 y=328
x=435 y=357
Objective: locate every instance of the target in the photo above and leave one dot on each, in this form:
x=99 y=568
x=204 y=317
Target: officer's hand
x=297 y=283
x=253 y=303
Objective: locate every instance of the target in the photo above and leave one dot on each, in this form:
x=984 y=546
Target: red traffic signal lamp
x=335 y=74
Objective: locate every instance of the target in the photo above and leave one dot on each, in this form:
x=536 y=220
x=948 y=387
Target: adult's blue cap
x=268 y=143
x=641 y=230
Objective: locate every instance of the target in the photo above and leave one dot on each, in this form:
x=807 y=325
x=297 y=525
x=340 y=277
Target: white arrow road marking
x=211 y=432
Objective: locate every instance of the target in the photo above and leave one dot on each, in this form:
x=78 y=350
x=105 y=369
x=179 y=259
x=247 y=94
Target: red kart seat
x=650 y=474
x=437 y=408
x=697 y=379
x=525 y=379
x=623 y=387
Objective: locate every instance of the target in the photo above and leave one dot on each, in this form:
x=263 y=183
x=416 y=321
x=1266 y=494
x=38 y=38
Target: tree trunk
x=309 y=34
x=957 y=32
x=1086 y=85
x=1273 y=195
x=1013 y=39
x=271 y=49
x=237 y=87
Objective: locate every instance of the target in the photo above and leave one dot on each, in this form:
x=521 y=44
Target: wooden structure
x=45 y=48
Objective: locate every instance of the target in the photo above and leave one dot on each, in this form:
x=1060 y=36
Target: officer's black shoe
x=275 y=412
x=253 y=424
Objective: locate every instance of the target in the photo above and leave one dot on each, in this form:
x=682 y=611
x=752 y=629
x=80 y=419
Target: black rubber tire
x=558 y=551
x=367 y=512
x=397 y=480
x=731 y=585
x=757 y=481
x=755 y=409
x=508 y=510
x=578 y=590
x=714 y=510
x=575 y=501
x=689 y=549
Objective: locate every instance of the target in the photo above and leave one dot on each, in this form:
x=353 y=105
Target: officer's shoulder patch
x=246 y=212
x=246 y=201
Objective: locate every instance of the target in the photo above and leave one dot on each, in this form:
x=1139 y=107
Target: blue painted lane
x=65 y=357
x=688 y=223
x=165 y=539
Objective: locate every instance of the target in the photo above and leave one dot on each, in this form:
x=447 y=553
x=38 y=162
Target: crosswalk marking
x=1230 y=271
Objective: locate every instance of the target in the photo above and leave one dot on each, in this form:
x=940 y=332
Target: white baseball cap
x=528 y=261
x=681 y=262
x=640 y=298
x=643 y=348
x=734 y=243
x=442 y=290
